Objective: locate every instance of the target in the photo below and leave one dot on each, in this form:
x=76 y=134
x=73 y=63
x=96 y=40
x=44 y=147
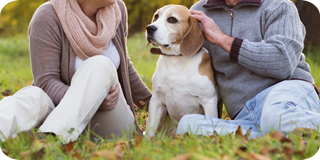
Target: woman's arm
x=45 y=52
x=279 y=54
x=140 y=93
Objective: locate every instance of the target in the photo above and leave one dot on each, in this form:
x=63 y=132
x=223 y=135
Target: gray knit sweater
x=267 y=49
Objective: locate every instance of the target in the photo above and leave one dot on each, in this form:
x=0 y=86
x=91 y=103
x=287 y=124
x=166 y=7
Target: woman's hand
x=111 y=100
x=212 y=33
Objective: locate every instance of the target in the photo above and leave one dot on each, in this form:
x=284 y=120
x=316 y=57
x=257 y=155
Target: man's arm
x=277 y=55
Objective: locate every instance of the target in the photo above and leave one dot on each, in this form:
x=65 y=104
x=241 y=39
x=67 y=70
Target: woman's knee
x=101 y=64
x=97 y=66
x=36 y=95
x=101 y=61
x=30 y=89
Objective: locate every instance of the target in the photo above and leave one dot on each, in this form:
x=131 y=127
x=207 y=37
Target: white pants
x=24 y=110
x=89 y=87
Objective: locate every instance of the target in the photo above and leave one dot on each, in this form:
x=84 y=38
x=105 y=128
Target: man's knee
x=269 y=121
x=184 y=124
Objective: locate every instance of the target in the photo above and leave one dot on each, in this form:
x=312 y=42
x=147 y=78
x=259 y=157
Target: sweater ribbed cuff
x=235 y=49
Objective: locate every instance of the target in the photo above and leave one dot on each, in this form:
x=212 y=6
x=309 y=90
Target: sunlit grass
x=15 y=72
x=143 y=61
x=313 y=58
x=15 y=69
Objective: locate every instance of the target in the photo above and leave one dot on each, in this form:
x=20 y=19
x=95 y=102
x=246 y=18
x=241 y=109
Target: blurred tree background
x=15 y=16
x=310 y=17
x=141 y=11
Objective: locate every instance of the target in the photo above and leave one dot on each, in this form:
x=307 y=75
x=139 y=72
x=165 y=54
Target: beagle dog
x=183 y=82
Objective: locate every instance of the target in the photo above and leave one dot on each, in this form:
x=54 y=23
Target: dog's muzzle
x=151 y=29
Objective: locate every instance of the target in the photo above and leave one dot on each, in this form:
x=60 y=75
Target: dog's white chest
x=179 y=86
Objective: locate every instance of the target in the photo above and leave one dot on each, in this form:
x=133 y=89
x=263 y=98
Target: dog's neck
x=173 y=50
x=157 y=51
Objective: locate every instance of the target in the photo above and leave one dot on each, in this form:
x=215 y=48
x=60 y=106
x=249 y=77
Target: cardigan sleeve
x=45 y=52
x=279 y=53
x=140 y=93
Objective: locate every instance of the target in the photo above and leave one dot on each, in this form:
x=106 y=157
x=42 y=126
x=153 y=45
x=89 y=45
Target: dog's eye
x=172 y=20
x=156 y=17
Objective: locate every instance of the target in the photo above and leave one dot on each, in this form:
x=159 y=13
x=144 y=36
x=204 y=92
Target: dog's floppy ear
x=193 y=39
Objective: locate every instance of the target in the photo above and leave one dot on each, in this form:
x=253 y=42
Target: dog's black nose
x=151 y=29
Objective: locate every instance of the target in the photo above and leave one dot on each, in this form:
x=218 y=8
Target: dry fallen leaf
x=287 y=150
x=278 y=135
x=243 y=148
x=240 y=153
x=90 y=145
x=239 y=132
x=174 y=142
x=26 y=155
x=118 y=150
x=104 y=154
x=264 y=151
x=225 y=157
x=213 y=136
x=4 y=151
x=202 y=157
x=178 y=136
x=225 y=116
x=302 y=146
x=36 y=150
x=248 y=133
x=7 y=92
x=29 y=83
x=274 y=151
x=255 y=156
x=250 y=156
x=138 y=140
x=123 y=143
x=182 y=157
x=68 y=148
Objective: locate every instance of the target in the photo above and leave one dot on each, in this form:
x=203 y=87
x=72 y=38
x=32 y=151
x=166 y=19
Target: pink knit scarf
x=86 y=37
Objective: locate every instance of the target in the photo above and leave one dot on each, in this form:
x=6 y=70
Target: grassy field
x=15 y=73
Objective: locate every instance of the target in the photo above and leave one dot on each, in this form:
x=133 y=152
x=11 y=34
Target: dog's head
x=175 y=31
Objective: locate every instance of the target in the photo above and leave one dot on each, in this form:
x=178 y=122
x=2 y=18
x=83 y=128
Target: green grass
x=15 y=72
x=313 y=58
x=144 y=62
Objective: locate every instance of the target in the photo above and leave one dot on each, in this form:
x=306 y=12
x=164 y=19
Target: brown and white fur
x=183 y=82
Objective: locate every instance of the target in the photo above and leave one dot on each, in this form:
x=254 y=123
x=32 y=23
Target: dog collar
x=157 y=51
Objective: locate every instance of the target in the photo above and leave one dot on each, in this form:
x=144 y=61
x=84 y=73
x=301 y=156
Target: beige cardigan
x=53 y=59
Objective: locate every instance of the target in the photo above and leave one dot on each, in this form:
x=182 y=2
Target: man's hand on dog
x=212 y=32
x=111 y=100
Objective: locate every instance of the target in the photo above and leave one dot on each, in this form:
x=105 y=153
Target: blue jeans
x=282 y=107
